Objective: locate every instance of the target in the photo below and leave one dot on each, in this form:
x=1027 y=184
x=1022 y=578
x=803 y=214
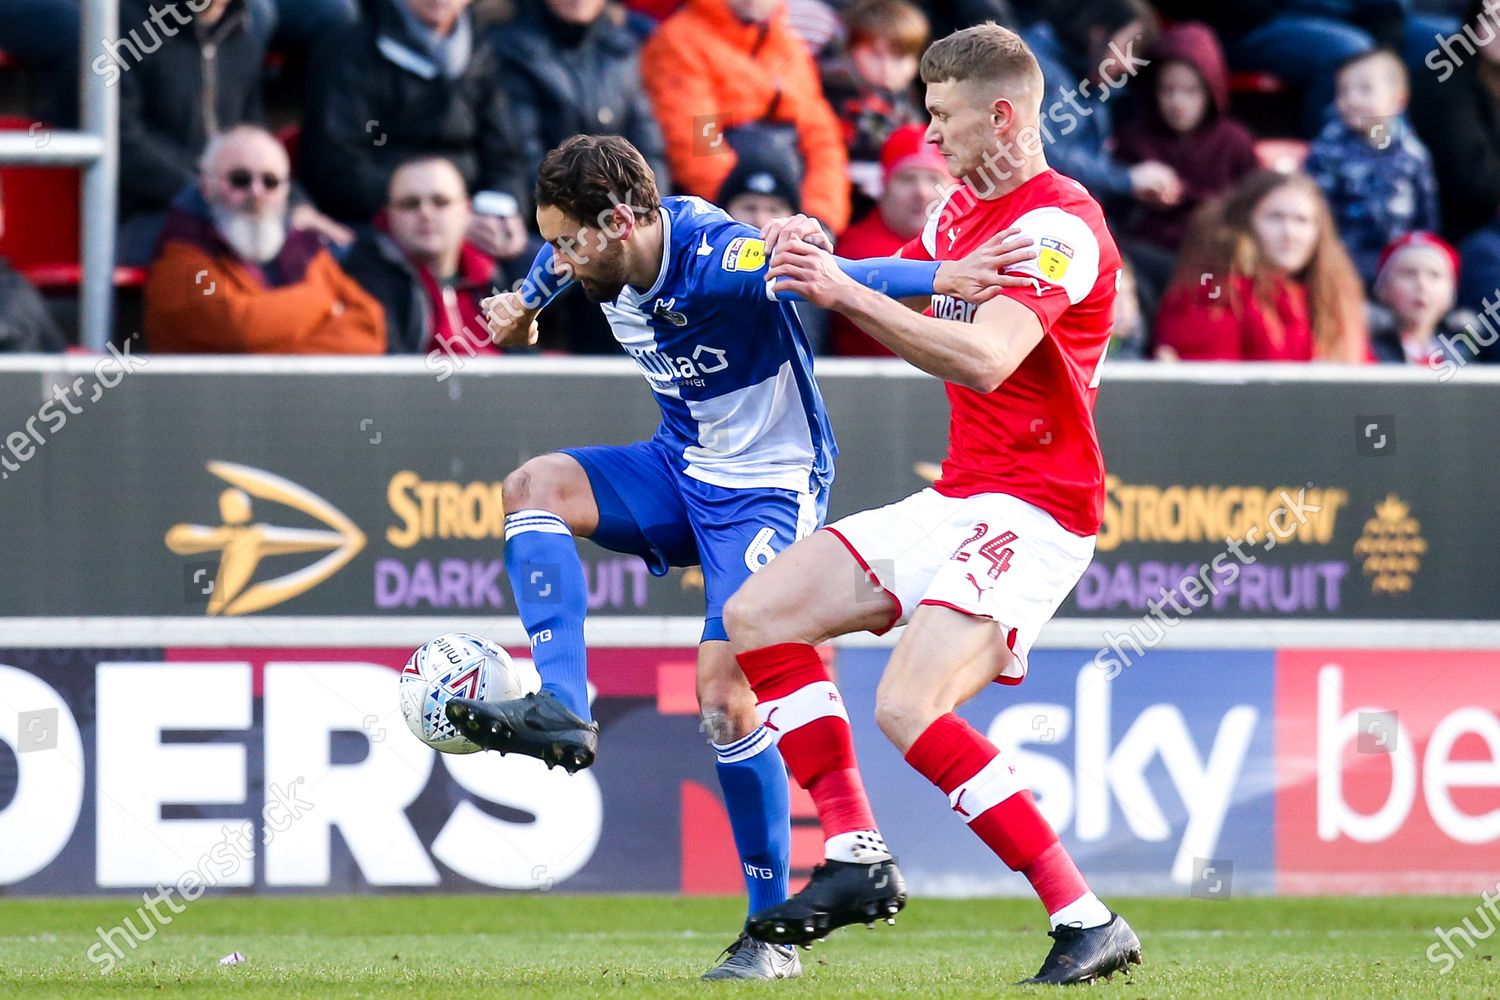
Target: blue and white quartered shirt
x=731 y=368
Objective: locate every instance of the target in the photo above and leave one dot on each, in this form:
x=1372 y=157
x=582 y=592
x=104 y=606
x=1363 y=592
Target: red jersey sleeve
x=1066 y=267
x=914 y=250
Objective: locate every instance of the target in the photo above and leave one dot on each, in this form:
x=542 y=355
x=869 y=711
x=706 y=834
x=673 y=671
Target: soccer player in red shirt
x=978 y=563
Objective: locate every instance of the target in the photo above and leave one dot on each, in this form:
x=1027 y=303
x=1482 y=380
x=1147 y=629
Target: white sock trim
x=1085 y=911
x=808 y=703
x=743 y=749
x=522 y=521
x=857 y=846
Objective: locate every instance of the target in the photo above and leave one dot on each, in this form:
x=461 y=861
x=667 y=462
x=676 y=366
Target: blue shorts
x=650 y=508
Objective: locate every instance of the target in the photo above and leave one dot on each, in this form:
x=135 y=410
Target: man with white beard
x=231 y=277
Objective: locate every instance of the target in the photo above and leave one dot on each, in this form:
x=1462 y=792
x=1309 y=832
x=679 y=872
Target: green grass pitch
x=559 y=945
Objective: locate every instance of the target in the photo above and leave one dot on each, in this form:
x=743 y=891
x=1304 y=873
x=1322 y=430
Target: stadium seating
x=41 y=231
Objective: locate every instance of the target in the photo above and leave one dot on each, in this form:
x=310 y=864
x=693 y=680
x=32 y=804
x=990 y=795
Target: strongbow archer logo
x=243 y=542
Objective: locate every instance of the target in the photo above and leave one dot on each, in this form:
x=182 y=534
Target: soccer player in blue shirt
x=738 y=469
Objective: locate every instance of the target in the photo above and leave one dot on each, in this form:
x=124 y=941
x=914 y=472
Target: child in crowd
x=758 y=190
x=871 y=86
x=1127 y=339
x=1413 y=318
x=1375 y=172
x=1186 y=125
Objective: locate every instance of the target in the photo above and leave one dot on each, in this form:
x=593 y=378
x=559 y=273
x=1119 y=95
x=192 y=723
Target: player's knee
x=516 y=490
x=716 y=724
x=534 y=486
x=741 y=617
x=902 y=718
x=727 y=711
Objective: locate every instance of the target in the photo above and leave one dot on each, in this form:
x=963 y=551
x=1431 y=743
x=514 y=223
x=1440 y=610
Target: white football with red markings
x=454 y=665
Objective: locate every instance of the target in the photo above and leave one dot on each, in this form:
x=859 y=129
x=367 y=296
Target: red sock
x=799 y=703
x=983 y=788
x=1055 y=878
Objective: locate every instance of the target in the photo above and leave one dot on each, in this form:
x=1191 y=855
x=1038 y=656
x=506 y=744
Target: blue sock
x=753 y=777
x=546 y=577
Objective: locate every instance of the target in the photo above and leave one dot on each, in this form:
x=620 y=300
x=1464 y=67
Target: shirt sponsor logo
x=949 y=307
x=745 y=253
x=1053 y=257
x=663 y=368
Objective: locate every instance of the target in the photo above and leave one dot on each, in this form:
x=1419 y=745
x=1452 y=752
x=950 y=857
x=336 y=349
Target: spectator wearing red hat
x=1413 y=318
x=912 y=175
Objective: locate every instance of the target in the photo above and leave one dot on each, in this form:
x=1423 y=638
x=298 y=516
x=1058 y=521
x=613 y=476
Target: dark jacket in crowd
x=378 y=96
x=1228 y=18
x=1452 y=340
x=175 y=92
x=1209 y=159
x=868 y=115
x=948 y=16
x=1458 y=119
x=565 y=79
x=1078 y=143
x=422 y=312
x=25 y=323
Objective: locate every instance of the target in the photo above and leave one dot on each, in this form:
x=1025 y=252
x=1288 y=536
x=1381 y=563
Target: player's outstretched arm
x=511 y=316
x=978 y=277
x=894 y=276
x=979 y=355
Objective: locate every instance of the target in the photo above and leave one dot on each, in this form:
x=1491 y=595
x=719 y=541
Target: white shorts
x=991 y=555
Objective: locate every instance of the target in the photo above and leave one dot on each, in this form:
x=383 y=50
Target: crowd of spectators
x=372 y=212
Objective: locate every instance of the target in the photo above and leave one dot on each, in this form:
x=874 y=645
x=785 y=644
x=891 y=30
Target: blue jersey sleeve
x=894 y=276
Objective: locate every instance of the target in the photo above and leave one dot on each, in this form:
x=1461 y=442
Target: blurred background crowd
x=1289 y=181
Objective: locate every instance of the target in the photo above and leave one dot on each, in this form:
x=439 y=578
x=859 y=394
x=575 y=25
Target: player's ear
x=621 y=222
x=1002 y=113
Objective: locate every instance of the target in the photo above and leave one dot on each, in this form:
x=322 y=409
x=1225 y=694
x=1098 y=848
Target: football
x=454 y=665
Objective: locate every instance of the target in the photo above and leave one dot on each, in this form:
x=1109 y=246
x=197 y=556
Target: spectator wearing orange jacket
x=230 y=276
x=726 y=74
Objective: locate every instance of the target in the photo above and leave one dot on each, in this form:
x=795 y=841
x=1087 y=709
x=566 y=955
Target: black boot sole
x=813 y=927
x=569 y=749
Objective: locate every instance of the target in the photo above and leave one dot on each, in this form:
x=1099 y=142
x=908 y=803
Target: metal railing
x=96 y=148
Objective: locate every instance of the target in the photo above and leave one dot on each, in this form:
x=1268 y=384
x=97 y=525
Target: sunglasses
x=243 y=180
x=414 y=202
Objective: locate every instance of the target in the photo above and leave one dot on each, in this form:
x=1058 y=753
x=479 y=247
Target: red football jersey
x=1033 y=437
